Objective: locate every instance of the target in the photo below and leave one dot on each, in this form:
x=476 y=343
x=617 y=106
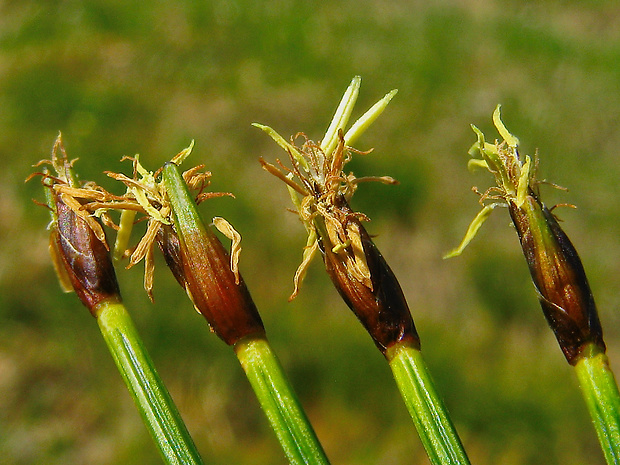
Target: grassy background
x=119 y=78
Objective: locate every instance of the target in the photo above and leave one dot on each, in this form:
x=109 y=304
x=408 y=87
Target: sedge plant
x=321 y=192
x=82 y=260
x=210 y=276
x=557 y=273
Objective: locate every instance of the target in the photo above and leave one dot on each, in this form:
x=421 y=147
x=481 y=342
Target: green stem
x=279 y=402
x=600 y=391
x=427 y=410
x=154 y=403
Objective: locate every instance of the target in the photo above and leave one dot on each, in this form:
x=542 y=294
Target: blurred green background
x=119 y=78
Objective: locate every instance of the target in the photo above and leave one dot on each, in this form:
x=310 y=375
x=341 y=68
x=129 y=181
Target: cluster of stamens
x=145 y=195
x=321 y=190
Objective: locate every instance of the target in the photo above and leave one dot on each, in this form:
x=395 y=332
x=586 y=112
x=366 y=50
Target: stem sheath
x=279 y=402
x=600 y=391
x=426 y=408
x=152 y=399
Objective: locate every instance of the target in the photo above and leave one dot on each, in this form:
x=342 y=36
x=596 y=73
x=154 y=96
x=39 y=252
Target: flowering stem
x=356 y=267
x=154 y=403
x=426 y=408
x=600 y=392
x=81 y=257
x=558 y=276
x=217 y=292
x=226 y=304
x=279 y=402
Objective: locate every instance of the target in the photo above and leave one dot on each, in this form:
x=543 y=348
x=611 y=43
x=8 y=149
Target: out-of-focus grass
x=124 y=77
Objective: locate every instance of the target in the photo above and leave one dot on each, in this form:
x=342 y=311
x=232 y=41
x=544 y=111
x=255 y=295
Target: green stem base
x=151 y=397
x=279 y=402
x=600 y=392
x=426 y=408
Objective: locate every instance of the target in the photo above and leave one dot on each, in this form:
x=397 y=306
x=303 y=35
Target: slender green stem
x=600 y=391
x=279 y=402
x=427 y=410
x=154 y=403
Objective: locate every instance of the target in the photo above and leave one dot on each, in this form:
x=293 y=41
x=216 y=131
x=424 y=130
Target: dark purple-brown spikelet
x=78 y=245
x=170 y=247
x=85 y=257
x=555 y=267
x=321 y=191
x=382 y=308
x=559 y=277
x=202 y=265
